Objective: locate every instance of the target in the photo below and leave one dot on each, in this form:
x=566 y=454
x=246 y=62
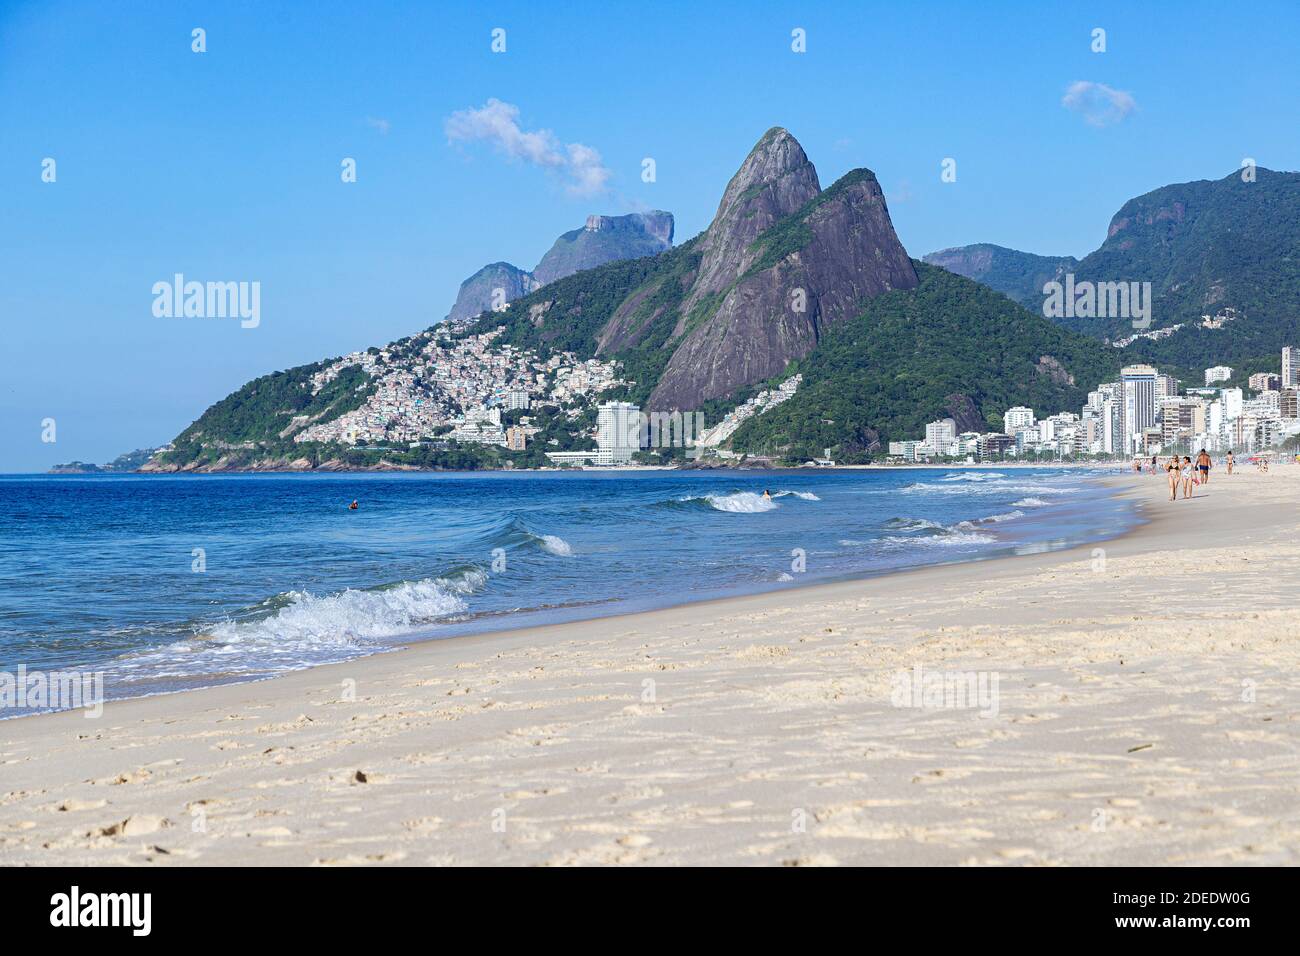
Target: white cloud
x=498 y=123
x=1099 y=104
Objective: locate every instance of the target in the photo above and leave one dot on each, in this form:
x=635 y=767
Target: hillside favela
x=851 y=435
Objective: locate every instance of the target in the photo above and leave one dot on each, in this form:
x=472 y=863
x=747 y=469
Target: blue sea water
x=165 y=583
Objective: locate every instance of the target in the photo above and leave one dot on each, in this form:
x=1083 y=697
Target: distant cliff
x=1020 y=276
x=603 y=239
x=478 y=291
x=1227 y=249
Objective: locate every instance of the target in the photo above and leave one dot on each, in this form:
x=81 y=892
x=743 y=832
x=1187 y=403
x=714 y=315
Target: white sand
x=1148 y=713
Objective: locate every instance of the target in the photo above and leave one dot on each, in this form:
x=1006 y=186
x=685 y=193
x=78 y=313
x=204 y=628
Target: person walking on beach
x=1203 y=466
x=1153 y=464
x=1230 y=462
x=1171 y=473
x=1137 y=465
x=1187 y=476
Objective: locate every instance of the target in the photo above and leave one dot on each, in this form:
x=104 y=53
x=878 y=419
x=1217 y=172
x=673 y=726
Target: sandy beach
x=1139 y=705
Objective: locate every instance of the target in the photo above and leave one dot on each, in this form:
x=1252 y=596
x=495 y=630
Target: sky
x=228 y=164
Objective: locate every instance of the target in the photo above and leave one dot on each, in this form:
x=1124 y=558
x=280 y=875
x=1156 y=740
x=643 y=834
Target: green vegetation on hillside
x=883 y=375
x=247 y=422
x=578 y=307
x=1020 y=276
x=1205 y=246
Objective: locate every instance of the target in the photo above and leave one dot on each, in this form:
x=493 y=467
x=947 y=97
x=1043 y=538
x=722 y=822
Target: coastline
x=762 y=708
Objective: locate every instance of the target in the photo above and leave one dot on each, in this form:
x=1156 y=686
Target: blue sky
x=225 y=165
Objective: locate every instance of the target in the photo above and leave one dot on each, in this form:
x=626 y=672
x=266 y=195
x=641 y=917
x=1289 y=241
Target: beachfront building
x=618 y=432
x=939 y=435
x=1290 y=367
x=1140 y=415
x=1139 y=409
x=1180 y=420
x=995 y=445
x=1166 y=387
x=906 y=450
x=1017 y=418
x=1264 y=382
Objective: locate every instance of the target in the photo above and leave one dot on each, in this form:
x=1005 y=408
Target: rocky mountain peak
x=775 y=180
x=656 y=224
x=782 y=262
x=777 y=166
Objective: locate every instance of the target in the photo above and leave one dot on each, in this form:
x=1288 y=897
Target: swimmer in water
x=767 y=495
x=353 y=506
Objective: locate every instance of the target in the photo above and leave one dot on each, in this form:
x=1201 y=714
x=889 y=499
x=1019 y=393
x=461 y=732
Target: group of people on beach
x=1182 y=472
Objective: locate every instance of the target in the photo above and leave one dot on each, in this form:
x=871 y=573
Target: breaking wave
x=305 y=628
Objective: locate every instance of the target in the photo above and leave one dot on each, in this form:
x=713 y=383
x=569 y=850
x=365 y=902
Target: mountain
x=1223 y=260
x=603 y=239
x=950 y=348
x=1019 y=276
x=787 y=277
x=479 y=294
x=781 y=263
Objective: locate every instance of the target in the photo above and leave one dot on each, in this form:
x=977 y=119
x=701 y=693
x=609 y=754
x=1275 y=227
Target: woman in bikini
x=1171 y=473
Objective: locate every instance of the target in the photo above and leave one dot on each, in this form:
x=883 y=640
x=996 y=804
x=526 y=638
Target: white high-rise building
x=1220 y=373
x=618 y=432
x=1291 y=367
x=1017 y=418
x=1139 y=409
x=1112 y=434
x=939 y=435
x=1233 y=402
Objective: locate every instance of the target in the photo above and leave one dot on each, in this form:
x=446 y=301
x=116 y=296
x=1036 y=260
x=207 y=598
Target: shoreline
x=623 y=469
x=490 y=625
x=758 y=707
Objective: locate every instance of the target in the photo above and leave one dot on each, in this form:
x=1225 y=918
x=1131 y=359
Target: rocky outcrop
x=494 y=285
x=606 y=239
x=781 y=262
x=962 y=410
x=603 y=239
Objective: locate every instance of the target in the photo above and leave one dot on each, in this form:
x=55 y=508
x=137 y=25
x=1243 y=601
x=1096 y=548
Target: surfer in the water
x=353 y=506
x=767 y=495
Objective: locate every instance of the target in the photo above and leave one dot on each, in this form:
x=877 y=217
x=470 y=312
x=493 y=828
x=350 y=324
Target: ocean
x=164 y=583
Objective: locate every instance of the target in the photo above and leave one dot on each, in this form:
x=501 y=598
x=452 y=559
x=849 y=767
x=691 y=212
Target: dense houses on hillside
x=435 y=384
x=760 y=403
x=1144 y=413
